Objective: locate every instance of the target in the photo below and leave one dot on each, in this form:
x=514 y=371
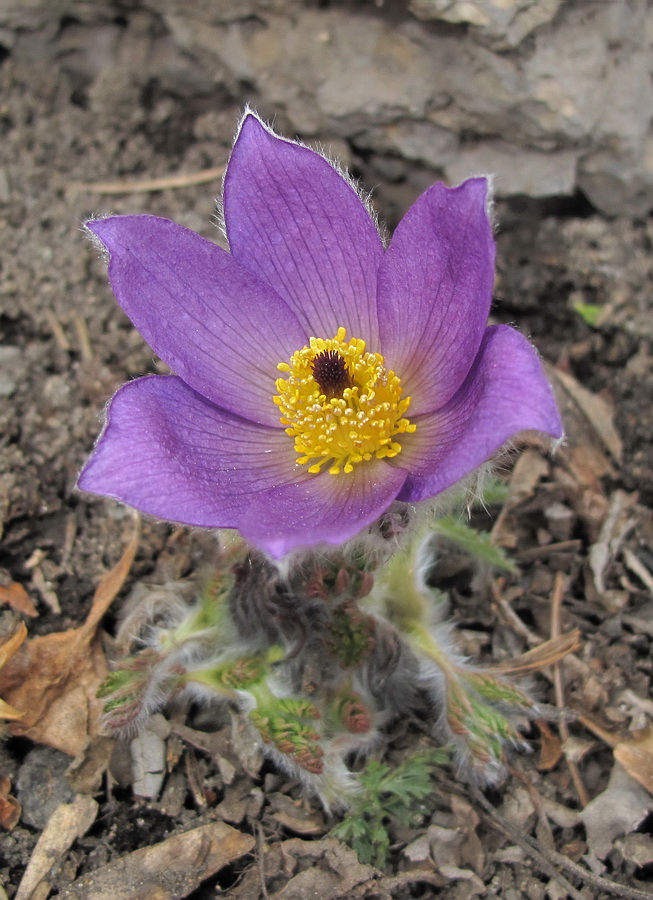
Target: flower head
x=319 y=376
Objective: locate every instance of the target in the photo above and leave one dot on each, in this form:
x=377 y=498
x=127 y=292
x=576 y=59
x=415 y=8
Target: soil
x=65 y=348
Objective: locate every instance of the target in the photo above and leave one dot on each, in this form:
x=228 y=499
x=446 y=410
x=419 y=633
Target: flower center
x=340 y=404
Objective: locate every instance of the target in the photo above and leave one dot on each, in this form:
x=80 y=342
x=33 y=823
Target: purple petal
x=213 y=322
x=435 y=289
x=294 y=221
x=505 y=392
x=170 y=453
x=327 y=508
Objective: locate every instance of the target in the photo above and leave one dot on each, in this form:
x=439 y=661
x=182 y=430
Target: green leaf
x=589 y=312
x=476 y=543
x=495 y=492
x=387 y=795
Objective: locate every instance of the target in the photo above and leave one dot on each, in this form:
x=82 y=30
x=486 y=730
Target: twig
x=527 y=843
x=550 y=859
x=558 y=685
x=510 y=617
x=260 y=859
x=59 y=335
x=548 y=550
x=183 y=179
x=638 y=568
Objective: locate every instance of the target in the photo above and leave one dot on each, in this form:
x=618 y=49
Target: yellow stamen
x=341 y=404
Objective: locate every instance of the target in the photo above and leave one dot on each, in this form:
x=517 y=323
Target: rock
x=516 y=170
x=422 y=142
x=501 y=23
x=553 y=97
x=42 y=785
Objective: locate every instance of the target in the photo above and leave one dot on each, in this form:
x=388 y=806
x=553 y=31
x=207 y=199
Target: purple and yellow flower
x=319 y=375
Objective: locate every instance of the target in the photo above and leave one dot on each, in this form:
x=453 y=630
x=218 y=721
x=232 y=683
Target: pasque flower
x=319 y=375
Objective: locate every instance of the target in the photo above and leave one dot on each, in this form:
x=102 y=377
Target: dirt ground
x=579 y=524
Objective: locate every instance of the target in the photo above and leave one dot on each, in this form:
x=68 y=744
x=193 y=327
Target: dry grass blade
x=559 y=588
x=111 y=583
x=182 y=179
x=547 y=654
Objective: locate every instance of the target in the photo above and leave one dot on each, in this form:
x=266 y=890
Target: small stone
x=42 y=785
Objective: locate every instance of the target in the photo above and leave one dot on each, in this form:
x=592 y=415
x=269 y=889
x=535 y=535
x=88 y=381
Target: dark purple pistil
x=330 y=372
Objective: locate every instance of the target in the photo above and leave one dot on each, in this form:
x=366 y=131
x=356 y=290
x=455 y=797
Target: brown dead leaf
x=588 y=464
x=636 y=756
x=635 y=753
x=11 y=643
x=637 y=762
x=54 y=678
x=10 y=808
x=173 y=868
x=550 y=749
x=295 y=816
x=16 y=596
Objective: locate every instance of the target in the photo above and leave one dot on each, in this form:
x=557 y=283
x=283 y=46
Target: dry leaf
x=588 y=464
x=85 y=773
x=598 y=412
x=16 y=596
x=617 y=525
x=619 y=810
x=9 y=646
x=550 y=749
x=54 y=678
x=331 y=871
x=637 y=849
x=295 y=815
x=12 y=641
x=637 y=762
x=529 y=469
x=635 y=753
x=173 y=868
x=68 y=822
x=636 y=756
x=10 y=808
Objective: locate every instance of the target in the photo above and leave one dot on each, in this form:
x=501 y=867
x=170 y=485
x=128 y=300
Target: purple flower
x=319 y=376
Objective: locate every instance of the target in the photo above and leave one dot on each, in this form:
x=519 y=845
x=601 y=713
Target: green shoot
x=387 y=795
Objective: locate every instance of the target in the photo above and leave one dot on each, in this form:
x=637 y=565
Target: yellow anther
x=341 y=405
